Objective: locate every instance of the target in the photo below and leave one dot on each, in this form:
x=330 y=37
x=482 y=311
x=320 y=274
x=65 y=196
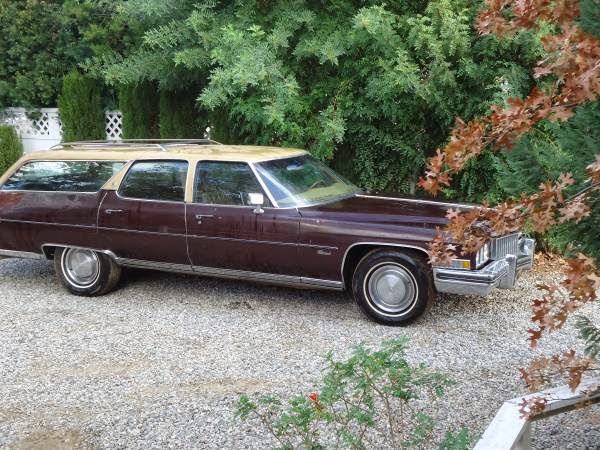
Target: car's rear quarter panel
x=29 y=220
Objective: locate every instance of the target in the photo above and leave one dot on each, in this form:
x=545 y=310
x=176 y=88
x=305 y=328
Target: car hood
x=392 y=210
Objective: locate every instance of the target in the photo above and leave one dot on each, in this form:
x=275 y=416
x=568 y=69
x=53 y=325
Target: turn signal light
x=461 y=264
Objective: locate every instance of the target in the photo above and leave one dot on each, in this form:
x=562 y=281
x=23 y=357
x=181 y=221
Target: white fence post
x=510 y=431
x=41 y=129
x=114 y=125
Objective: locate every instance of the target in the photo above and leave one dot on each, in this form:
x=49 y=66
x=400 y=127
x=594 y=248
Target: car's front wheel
x=86 y=272
x=392 y=287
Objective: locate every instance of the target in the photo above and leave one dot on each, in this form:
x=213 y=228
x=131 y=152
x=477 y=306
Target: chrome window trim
x=264 y=186
x=125 y=162
x=382 y=244
x=134 y=199
x=54 y=192
x=134 y=162
x=297 y=206
x=256 y=177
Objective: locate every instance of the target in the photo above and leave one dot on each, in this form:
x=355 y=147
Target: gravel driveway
x=161 y=362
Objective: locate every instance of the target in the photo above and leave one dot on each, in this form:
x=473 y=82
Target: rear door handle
x=113 y=211
x=199 y=217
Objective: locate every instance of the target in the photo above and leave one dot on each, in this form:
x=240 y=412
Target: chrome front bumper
x=501 y=273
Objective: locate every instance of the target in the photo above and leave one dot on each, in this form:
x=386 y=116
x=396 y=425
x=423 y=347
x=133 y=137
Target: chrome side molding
x=270 y=278
x=22 y=255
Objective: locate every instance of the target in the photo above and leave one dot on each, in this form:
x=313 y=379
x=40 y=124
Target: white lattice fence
x=41 y=129
x=114 y=125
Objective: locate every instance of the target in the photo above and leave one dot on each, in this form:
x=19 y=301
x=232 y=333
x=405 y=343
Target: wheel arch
x=49 y=249
x=356 y=252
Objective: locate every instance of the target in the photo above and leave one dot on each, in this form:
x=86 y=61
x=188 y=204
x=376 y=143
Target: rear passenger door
x=144 y=221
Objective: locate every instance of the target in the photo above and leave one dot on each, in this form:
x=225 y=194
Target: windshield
x=303 y=181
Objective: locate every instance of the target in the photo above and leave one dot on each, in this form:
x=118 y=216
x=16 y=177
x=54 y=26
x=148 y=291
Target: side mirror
x=257 y=199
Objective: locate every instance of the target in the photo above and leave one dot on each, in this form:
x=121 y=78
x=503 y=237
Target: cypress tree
x=81 y=109
x=179 y=116
x=11 y=148
x=139 y=105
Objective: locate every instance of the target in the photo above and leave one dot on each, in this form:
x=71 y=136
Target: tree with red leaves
x=571 y=75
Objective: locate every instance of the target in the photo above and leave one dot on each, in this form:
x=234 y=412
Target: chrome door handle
x=199 y=217
x=113 y=211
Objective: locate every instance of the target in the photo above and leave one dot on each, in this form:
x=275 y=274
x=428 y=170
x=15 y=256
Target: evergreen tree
x=139 y=105
x=180 y=117
x=81 y=109
x=543 y=154
x=11 y=148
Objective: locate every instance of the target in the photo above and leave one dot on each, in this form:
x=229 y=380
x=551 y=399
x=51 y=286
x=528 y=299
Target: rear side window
x=155 y=180
x=62 y=176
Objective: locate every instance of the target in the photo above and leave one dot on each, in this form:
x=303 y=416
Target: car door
x=226 y=233
x=143 y=222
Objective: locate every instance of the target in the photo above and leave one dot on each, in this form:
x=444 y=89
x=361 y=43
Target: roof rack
x=161 y=144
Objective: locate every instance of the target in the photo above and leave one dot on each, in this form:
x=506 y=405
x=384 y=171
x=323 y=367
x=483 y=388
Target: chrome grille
x=504 y=245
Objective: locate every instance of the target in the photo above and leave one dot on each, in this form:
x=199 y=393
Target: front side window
x=155 y=180
x=62 y=176
x=302 y=181
x=226 y=183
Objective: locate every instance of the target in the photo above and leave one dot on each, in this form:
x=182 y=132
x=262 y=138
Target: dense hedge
x=81 y=108
x=180 y=116
x=139 y=105
x=11 y=148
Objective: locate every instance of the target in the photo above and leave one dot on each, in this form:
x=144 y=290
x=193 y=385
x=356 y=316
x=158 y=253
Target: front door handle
x=113 y=211
x=199 y=217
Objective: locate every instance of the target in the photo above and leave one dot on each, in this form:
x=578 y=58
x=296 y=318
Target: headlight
x=482 y=256
x=526 y=246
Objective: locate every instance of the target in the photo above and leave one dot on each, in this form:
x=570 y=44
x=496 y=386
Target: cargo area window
x=226 y=183
x=62 y=176
x=155 y=180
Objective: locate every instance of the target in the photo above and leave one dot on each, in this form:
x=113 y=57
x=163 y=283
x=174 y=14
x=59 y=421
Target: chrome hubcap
x=392 y=288
x=81 y=267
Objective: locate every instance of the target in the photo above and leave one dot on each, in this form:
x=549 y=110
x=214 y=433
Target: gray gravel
x=161 y=362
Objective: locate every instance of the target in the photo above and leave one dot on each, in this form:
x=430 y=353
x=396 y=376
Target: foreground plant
x=374 y=399
x=570 y=77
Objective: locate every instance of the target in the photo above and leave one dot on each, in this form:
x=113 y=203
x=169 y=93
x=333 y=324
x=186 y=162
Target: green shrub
x=81 y=109
x=139 y=105
x=548 y=150
x=374 y=398
x=11 y=148
x=179 y=116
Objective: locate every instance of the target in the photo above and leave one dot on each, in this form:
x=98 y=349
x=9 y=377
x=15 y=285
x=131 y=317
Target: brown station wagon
x=272 y=215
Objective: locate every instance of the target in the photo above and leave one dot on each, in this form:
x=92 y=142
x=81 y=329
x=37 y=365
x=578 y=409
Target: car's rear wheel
x=86 y=272
x=392 y=287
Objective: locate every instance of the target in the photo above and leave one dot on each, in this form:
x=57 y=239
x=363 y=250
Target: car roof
x=168 y=150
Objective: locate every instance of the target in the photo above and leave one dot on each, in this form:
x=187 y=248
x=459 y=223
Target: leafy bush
x=374 y=86
x=373 y=399
x=41 y=41
x=179 y=115
x=81 y=109
x=11 y=148
x=139 y=105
